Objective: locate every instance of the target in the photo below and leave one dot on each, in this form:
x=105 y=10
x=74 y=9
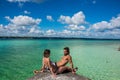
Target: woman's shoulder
x=46 y=59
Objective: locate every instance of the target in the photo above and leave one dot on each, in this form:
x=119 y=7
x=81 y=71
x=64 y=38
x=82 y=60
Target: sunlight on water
x=97 y=60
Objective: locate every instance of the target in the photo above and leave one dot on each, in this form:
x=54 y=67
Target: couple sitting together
x=57 y=67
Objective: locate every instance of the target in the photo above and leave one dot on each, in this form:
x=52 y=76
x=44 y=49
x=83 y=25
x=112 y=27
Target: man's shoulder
x=69 y=56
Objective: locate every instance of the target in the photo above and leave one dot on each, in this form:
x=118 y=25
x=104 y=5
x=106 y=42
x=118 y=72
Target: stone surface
x=119 y=49
x=65 y=76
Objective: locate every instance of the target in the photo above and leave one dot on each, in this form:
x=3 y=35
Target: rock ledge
x=65 y=76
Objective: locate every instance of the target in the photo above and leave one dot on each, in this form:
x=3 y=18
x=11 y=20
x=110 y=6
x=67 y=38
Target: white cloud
x=24 y=20
x=34 y=30
x=66 y=32
x=69 y=33
x=65 y=19
x=76 y=19
x=21 y=2
x=49 y=18
x=26 y=12
x=18 y=0
x=104 y=25
x=1 y=25
x=50 y=32
x=75 y=27
x=106 y=29
x=76 y=22
x=21 y=26
x=29 y=26
x=115 y=22
x=103 y=29
x=100 y=26
x=8 y=18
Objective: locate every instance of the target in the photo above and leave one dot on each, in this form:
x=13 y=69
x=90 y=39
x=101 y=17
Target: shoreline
x=52 y=38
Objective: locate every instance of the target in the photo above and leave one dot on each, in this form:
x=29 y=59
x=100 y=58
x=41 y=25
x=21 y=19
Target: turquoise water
x=96 y=59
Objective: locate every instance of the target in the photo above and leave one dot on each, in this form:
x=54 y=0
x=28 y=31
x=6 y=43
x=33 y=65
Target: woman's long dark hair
x=46 y=53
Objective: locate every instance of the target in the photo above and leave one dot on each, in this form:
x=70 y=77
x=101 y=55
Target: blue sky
x=60 y=18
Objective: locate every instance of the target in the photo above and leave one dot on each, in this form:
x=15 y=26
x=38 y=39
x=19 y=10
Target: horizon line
x=47 y=37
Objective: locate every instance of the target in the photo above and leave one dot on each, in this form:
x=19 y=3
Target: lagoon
x=96 y=59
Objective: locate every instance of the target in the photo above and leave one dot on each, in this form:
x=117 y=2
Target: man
x=61 y=65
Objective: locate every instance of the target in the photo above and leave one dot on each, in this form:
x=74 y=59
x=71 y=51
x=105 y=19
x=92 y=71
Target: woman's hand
x=35 y=71
x=41 y=71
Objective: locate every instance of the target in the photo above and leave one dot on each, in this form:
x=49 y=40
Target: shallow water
x=96 y=59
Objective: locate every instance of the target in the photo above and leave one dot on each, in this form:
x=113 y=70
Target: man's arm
x=70 y=61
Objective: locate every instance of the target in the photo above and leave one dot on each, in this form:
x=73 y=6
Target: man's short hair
x=67 y=49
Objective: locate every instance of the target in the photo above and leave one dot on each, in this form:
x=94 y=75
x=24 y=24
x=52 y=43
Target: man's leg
x=63 y=69
x=67 y=69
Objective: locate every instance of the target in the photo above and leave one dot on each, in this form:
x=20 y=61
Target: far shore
x=76 y=38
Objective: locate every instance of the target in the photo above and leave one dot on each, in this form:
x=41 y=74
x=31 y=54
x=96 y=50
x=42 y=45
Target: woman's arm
x=43 y=66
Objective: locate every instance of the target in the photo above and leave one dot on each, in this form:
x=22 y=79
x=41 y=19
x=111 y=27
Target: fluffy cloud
x=114 y=23
x=35 y=1
x=18 y=0
x=35 y=29
x=29 y=26
x=23 y=20
x=21 y=26
x=75 y=27
x=76 y=19
x=26 y=12
x=21 y=2
x=106 y=29
x=76 y=22
x=101 y=26
x=48 y=17
x=1 y=26
x=50 y=32
x=66 y=32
